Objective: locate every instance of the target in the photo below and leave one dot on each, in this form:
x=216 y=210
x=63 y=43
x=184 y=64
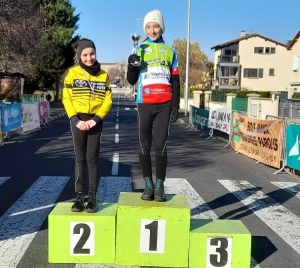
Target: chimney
x=243 y=32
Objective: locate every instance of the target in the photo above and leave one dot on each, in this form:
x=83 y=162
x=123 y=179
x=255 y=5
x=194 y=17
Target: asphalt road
x=36 y=172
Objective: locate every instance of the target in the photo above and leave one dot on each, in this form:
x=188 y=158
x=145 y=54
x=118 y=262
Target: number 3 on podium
x=219 y=251
x=152 y=236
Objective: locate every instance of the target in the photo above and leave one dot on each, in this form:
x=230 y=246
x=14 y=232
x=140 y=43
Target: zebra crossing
x=22 y=221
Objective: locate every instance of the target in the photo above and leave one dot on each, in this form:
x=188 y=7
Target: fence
x=22 y=118
x=289 y=108
x=266 y=141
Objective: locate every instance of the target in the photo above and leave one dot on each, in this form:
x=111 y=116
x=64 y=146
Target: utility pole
x=187 y=60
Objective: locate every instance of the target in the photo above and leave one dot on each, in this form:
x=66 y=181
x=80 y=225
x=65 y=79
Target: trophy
x=135 y=38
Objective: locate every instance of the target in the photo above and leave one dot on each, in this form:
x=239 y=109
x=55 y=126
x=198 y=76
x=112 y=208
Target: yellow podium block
x=81 y=237
x=219 y=243
x=152 y=233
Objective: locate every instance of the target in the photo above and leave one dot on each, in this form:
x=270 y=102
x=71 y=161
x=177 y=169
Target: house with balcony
x=256 y=62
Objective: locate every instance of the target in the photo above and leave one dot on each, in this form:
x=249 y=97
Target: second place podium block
x=81 y=237
x=152 y=233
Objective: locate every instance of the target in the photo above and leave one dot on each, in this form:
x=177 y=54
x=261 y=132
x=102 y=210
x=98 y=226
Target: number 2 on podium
x=82 y=238
x=152 y=236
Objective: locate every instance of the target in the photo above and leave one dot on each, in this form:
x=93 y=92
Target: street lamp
x=187 y=60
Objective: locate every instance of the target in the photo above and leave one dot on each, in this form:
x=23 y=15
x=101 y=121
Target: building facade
x=256 y=62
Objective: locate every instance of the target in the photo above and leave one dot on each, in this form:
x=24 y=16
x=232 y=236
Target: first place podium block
x=219 y=243
x=81 y=237
x=152 y=233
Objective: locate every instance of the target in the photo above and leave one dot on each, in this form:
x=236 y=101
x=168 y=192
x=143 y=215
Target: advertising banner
x=220 y=119
x=11 y=117
x=43 y=110
x=200 y=118
x=292 y=146
x=1 y=135
x=31 y=118
x=258 y=139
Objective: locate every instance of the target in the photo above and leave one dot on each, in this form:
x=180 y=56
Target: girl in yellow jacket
x=87 y=99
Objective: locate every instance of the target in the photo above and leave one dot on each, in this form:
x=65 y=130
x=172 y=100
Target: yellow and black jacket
x=85 y=93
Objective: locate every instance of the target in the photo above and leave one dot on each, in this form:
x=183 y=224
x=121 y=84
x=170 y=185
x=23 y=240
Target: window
x=270 y=50
x=266 y=50
x=253 y=73
x=227 y=52
x=271 y=72
x=259 y=50
x=229 y=71
x=230 y=52
x=295 y=63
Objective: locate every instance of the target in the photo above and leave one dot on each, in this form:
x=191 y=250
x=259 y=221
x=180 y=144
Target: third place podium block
x=219 y=243
x=152 y=233
x=81 y=237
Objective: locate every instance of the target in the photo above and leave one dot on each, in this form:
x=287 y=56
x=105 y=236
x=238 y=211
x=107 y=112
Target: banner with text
x=43 y=108
x=292 y=146
x=11 y=117
x=220 y=119
x=258 y=139
x=31 y=117
x=1 y=135
x=200 y=118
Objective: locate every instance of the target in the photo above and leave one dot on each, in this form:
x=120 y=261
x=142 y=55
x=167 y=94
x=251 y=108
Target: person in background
x=87 y=99
x=155 y=68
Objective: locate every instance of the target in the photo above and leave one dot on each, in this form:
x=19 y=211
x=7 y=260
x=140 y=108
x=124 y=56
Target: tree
x=117 y=74
x=20 y=32
x=56 y=52
x=36 y=39
x=199 y=64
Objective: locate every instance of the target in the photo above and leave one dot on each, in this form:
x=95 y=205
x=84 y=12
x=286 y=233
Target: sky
x=111 y=23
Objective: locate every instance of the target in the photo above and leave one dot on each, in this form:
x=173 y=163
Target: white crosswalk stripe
x=282 y=221
x=3 y=179
x=200 y=210
x=291 y=187
x=20 y=223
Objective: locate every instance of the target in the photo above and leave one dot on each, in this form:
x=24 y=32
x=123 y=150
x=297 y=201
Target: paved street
x=36 y=172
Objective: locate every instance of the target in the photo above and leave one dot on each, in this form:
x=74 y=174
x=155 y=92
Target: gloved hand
x=134 y=60
x=173 y=115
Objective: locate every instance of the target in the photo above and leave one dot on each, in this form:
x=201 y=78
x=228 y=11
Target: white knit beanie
x=155 y=16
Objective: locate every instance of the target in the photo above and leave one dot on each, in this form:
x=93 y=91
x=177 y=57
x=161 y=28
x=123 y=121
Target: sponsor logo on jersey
x=148 y=50
x=80 y=83
x=163 y=51
x=147 y=90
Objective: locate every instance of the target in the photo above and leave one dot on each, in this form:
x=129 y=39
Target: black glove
x=173 y=115
x=134 y=60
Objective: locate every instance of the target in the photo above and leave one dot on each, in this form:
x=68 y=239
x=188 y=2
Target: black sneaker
x=92 y=204
x=78 y=205
x=159 y=192
x=149 y=190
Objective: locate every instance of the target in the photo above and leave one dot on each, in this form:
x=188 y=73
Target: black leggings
x=87 y=147
x=155 y=116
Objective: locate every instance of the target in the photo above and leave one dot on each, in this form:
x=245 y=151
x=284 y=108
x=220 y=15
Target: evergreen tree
x=56 y=51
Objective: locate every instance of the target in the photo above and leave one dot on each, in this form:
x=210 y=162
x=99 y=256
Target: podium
x=81 y=237
x=219 y=243
x=135 y=232
x=152 y=233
